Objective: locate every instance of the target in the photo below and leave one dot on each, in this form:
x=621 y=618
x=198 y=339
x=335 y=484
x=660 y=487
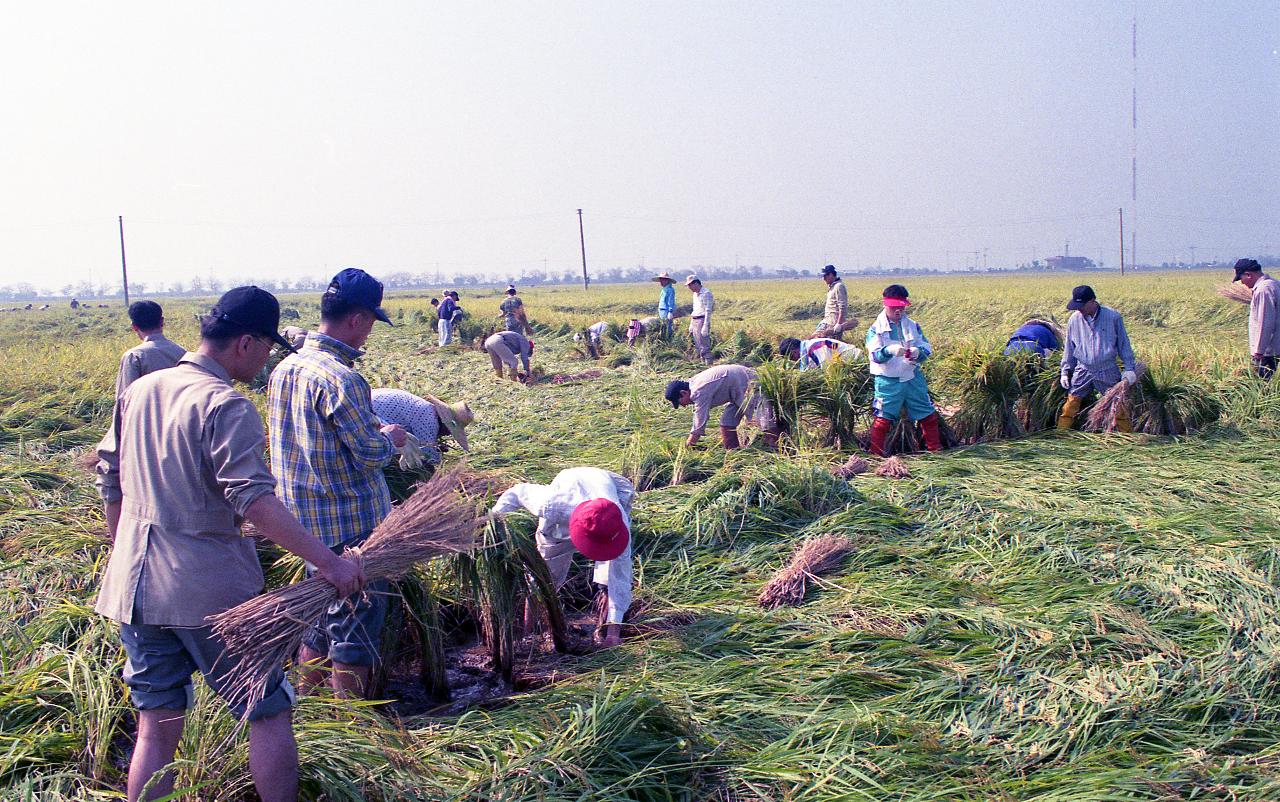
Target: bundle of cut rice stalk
x=1114 y=404
x=264 y=632
x=1052 y=325
x=852 y=467
x=893 y=468
x=1171 y=401
x=986 y=387
x=818 y=555
x=1236 y=291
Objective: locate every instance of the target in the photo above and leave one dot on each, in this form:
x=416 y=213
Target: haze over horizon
x=285 y=140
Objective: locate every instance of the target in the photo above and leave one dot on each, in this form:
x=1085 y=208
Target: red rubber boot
x=932 y=437
x=880 y=429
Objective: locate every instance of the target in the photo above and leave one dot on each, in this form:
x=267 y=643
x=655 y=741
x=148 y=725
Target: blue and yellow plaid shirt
x=327 y=450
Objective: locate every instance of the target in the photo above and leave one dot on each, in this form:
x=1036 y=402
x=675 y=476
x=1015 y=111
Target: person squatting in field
x=1096 y=339
x=328 y=450
x=731 y=386
x=183 y=465
x=1264 y=316
x=512 y=349
x=817 y=352
x=588 y=510
x=896 y=346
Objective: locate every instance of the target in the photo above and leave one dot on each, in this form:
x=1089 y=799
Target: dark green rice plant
x=414 y=635
x=498 y=579
x=985 y=388
x=1044 y=394
x=664 y=462
x=1170 y=401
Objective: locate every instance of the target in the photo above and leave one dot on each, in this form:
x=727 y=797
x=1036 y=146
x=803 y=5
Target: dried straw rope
x=265 y=632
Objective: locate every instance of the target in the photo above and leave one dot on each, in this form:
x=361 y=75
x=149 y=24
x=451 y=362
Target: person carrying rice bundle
x=1035 y=336
x=896 y=346
x=817 y=352
x=512 y=349
x=1096 y=339
x=188 y=467
x=328 y=450
x=731 y=386
x=587 y=510
x=1264 y=316
x=511 y=310
x=834 y=322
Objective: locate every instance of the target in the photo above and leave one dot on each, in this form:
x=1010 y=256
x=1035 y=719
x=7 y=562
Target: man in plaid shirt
x=327 y=451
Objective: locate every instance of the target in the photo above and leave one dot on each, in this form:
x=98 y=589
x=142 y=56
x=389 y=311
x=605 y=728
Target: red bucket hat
x=598 y=530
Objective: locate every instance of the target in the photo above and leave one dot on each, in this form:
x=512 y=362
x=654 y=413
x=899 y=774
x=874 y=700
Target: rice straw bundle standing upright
x=264 y=632
x=1236 y=292
x=1104 y=414
x=815 y=556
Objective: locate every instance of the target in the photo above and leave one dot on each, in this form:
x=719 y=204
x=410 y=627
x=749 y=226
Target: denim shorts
x=350 y=631
x=160 y=662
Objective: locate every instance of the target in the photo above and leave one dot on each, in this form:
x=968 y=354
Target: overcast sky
x=279 y=139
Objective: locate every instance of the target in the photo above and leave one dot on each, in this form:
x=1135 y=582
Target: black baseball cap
x=1247 y=266
x=1080 y=296
x=674 y=389
x=254 y=310
x=357 y=287
x=829 y=270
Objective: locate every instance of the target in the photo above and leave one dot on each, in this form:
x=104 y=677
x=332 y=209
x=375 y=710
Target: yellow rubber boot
x=1070 y=409
x=1123 y=423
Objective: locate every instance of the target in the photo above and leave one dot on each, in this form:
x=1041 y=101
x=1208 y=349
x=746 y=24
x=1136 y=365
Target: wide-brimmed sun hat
x=661 y=276
x=692 y=279
x=455 y=417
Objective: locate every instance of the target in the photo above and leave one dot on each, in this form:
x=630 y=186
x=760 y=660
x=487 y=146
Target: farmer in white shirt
x=588 y=510
x=700 y=318
x=1264 y=316
x=594 y=333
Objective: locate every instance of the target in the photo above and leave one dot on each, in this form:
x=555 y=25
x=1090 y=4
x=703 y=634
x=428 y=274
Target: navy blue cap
x=253 y=309
x=357 y=287
x=673 y=391
x=1247 y=266
x=829 y=270
x=1080 y=296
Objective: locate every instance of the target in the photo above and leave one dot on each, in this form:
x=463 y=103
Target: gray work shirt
x=188 y=464
x=156 y=352
x=1264 y=317
x=1097 y=342
x=722 y=384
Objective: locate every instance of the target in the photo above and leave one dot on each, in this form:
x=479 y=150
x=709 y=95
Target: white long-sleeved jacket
x=554 y=503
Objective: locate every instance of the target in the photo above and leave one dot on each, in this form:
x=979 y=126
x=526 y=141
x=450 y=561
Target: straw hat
x=455 y=418
x=661 y=276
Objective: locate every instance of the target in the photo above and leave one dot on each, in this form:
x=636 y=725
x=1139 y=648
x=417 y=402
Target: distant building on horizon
x=1069 y=263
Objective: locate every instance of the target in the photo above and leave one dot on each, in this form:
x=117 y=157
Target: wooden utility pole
x=1122 y=240
x=582 y=239
x=124 y=268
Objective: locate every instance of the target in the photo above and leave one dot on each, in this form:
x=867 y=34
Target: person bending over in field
x=734 y=387
x=817 y=352
x=188 y=466
x=423 y=419
x=594 y=333
x=588 y=510
x=1095 y=340
x=896 y=346
x=1035 y=336
x=835 y=321
x=328 y=450
x=512 y=349
x=1264 y=316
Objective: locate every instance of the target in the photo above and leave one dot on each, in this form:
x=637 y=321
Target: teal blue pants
x=892 y=395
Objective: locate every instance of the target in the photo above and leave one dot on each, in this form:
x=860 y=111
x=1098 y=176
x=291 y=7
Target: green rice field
x=1058 y=616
